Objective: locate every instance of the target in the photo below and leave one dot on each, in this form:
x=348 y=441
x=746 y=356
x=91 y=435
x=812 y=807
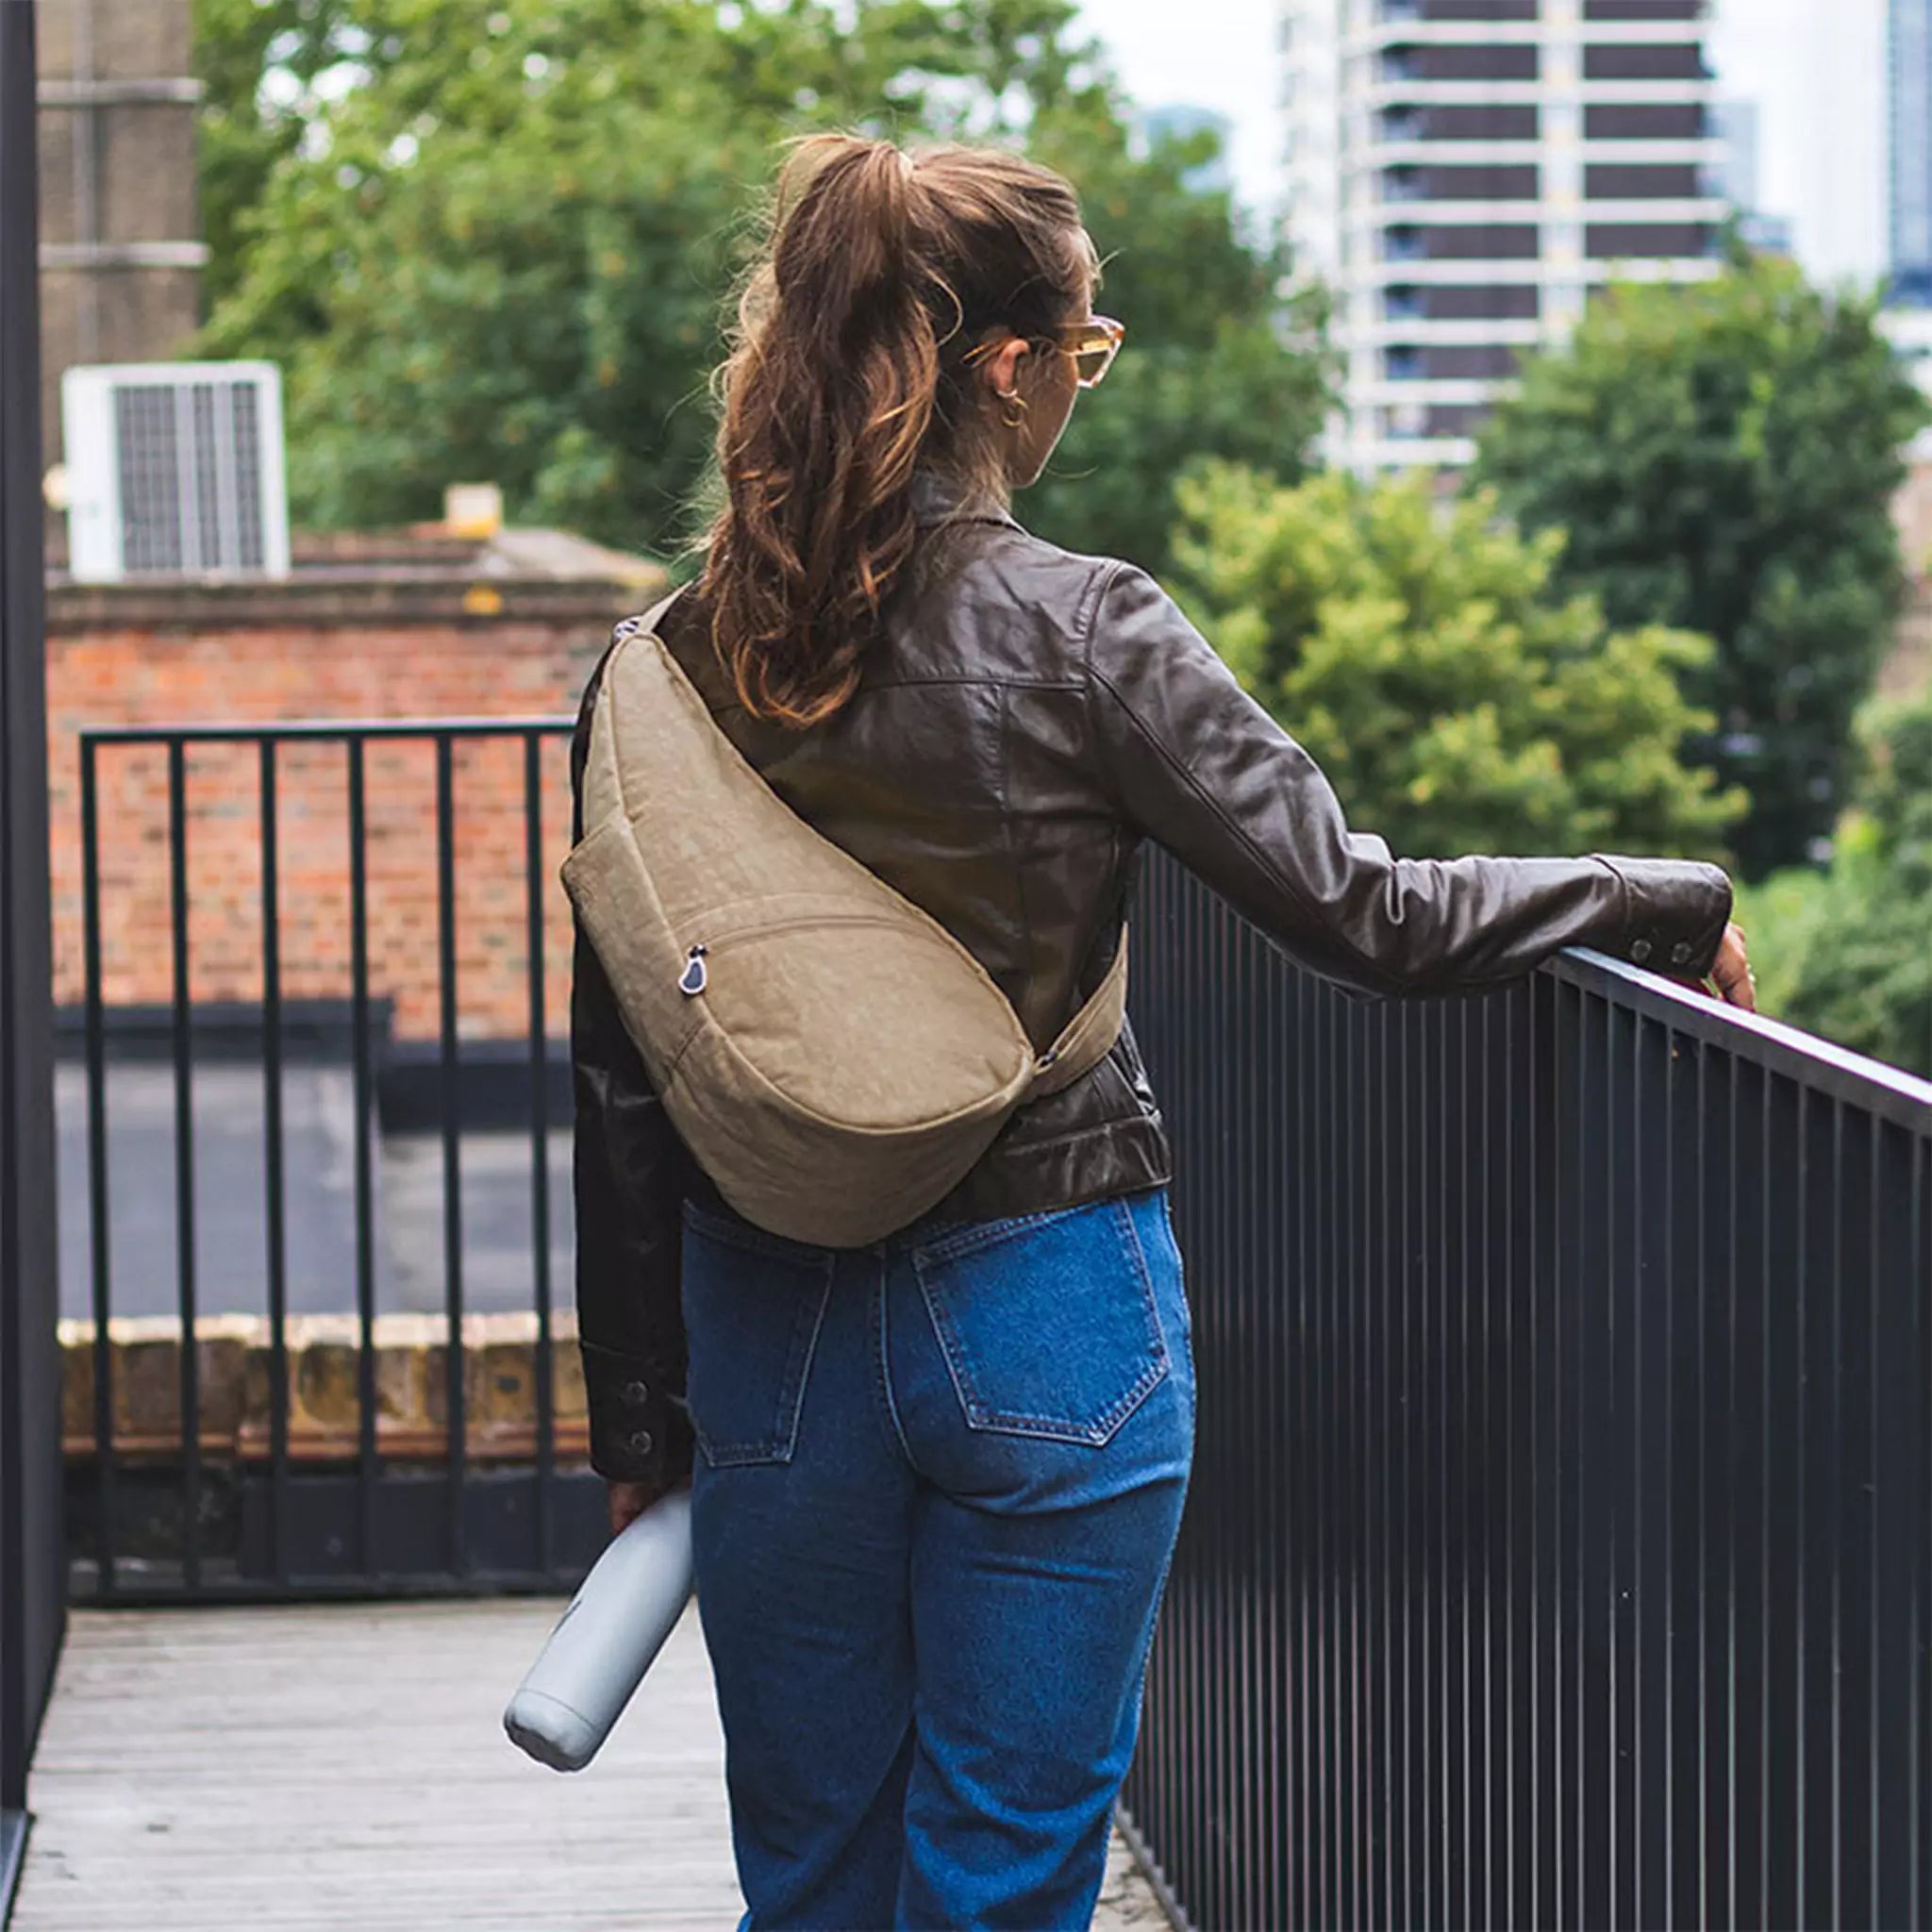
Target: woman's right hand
x=628 y=1501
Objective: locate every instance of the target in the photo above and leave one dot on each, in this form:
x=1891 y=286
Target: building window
x=1644 y=241
x=1455 y=419
x=1468 y=361
x=1447 y=123
x=1643 y=10
x=1497 y=182
x=1478 y=10
x=1480 y=302
x=1663 y=120
x=1678 y=60
x=1473 y=63
x=1482 y=241
x=1657 y=181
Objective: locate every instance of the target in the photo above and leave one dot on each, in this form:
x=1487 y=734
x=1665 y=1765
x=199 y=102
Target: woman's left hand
x=1730 y=972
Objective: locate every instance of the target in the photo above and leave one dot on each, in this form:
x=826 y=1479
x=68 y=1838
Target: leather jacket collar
x=938 y=497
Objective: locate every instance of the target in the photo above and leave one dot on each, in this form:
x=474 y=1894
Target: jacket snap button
x=635 y=1392
x=1639 y=950
x=1680 y=952
x=640 y=1442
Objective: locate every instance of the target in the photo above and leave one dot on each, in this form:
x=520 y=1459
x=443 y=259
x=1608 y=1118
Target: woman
x=936 y=1482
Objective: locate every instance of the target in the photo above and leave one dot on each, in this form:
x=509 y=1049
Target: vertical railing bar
x=1663 y=1747
x=1703 y=1688
x=1919 y=1830
x=1626 y=1638
x=1301 y=1516
x=100 y=1224
x=1766 y=1835
x=1732 y=1431
x=361 y=1083
x=1500 y=1546
x=273 y=1165
x=539 y=1146
x=453 y=1362
x=1354 y=1303
x=1802 y=1529
x=1874 y=1353
x=1834 y=1501
x=189 y=1364
x=1384 y=1462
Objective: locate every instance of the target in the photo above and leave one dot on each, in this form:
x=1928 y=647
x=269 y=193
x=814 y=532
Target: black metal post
x=32 y=1604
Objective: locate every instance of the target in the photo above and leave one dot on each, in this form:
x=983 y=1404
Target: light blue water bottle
x=607 y=1638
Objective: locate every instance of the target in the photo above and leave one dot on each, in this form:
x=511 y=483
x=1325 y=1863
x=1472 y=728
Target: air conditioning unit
x=174 y=469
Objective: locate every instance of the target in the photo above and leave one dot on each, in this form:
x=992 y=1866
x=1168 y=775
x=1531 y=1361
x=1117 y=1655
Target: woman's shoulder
x=1006 y=563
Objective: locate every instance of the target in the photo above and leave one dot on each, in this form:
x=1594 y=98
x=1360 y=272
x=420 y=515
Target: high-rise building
x=1462 y=173
x=1909 y=132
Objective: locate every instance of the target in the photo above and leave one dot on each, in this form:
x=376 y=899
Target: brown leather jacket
x=1029 y=719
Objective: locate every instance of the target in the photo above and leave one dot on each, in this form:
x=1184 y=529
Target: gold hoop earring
x=1012 y=395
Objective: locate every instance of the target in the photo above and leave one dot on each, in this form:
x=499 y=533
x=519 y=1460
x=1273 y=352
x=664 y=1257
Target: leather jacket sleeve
x=630 y=1173
x=1199 y=766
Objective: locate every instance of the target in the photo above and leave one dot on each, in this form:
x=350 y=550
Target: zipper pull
x=693 y=976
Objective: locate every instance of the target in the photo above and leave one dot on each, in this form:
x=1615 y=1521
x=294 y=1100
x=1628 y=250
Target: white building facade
x=1461 y=173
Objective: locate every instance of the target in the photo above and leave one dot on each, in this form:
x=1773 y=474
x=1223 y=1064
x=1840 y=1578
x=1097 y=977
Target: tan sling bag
x=832 y=1056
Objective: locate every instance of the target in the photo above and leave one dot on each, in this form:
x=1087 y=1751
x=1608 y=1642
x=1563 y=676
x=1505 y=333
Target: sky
x=1816 y=69
x=1814 y=66
x=1216 y=54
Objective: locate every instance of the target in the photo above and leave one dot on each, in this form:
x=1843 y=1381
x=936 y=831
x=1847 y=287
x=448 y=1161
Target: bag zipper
x=694 y=975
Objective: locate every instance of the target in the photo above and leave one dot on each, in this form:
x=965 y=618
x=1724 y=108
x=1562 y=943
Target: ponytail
x=844 y=373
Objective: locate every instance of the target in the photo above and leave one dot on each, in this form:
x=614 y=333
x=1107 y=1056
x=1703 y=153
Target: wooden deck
x=344 y=1766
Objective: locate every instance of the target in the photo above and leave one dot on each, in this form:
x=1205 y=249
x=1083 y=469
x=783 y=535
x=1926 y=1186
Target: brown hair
x=846 y=369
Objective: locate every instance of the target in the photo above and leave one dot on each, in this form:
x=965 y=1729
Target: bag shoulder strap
x=1087 y=1037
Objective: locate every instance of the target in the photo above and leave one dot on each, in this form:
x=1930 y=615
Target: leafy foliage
x=1848 y=952
x=1723 y=456
x=1420 y=656
x=494 y=242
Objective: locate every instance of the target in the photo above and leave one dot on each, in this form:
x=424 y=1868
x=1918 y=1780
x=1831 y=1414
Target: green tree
x=1723 y=456
x=494 y=242
x=1848 y=952
x=247 y=122
x=1419 y=656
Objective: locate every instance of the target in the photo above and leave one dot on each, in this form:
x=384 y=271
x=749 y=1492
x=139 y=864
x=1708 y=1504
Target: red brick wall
x=528 y=666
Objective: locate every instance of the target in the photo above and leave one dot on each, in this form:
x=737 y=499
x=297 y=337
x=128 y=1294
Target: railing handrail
x=281 y=730
x=1779 y=1048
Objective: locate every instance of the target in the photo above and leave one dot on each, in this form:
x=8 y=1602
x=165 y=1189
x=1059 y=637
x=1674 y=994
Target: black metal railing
x=374 y=1526
x=1559 y=1545
x=31 y=1607
x=1561 y=1524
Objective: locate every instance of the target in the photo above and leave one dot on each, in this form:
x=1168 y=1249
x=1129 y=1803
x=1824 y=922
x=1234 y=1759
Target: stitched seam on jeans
x=881 y=1354
x=780 y=1443
x=979 y=1236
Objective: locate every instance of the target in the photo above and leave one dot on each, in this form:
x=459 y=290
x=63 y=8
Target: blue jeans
x=937 y=1491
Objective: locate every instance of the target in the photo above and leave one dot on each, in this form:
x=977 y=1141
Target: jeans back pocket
x=1048 y=1322
x=752 y=1307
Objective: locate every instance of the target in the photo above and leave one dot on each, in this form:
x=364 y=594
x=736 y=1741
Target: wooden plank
x=308 y=1766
